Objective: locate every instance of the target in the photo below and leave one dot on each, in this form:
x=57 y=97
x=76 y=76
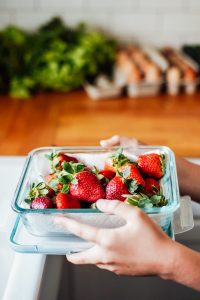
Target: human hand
x=123 y=141
x=139 y=247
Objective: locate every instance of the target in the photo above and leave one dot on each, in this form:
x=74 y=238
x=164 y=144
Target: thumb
x=119 y=208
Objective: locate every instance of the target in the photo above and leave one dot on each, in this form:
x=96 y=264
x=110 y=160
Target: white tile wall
x=193 y=5
x=161 y=5
x=156 y=21
x=16 y=4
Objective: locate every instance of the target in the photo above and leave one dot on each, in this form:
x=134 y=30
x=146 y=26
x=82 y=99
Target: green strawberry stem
x=53 y=158
x=119 y=159
x=143 y=201
x=36 y=190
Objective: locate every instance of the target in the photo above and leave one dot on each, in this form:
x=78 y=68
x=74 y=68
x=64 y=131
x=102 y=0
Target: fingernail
x=103 y=143
x=115 y=138
x=101 y=204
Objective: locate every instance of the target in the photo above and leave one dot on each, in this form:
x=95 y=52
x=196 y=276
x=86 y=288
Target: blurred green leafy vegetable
x=55 y=57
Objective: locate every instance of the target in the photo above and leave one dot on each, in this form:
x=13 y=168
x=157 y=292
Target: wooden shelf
x=73 y=119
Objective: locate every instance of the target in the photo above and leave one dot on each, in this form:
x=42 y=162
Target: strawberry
x=64 y=157
x=116 y=188
x=42 y=202
x=83 y=185
x=37 y=190
x=152 y=164
x=109 y=165
x=64 y=201
x=152 y=186
x=53 y=181
x=50 y=193
x=109 y=174
x=130 y=171
x=116 y=160
x=57 y=160
x=50 y=177
x=86 y=187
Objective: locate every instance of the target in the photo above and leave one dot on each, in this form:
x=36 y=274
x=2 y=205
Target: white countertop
x=20 y=273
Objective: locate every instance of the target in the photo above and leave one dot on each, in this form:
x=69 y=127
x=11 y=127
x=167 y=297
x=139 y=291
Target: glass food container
x=40 y=222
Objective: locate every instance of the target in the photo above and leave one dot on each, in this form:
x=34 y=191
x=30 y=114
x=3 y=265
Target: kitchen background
x=160 y=22
x=54 y=118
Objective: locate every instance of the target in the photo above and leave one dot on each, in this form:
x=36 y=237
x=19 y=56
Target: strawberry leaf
x=120 y=173
x=93 y=205
x=68 y=167
x=37 y=190
x=74 y=180
x=53 y=158
x=132 y=185
x=163 y=163
x=62 y=179
x=95 y=170
x=100 y=176
x=154 y=188
x=50 y=156
x=65 y=177
x=140 y=188
x=118 y=158
x=131 y=200
x=43 y=192
x=155 y=199
x=117 y=154
x=65 y=189
x=53 y=183
x=28 y=201
x=78 y=167
x=41 y=185
x=126 y=171
x=32 y=185
x=145 y=203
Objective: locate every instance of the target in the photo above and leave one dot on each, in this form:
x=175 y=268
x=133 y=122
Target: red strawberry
x=57 y=159
x=64 y=201
x=49 y=179
x=42 y=202
x=116 y=188
x=64 y=157
x=109 y=165
x=108 y=174
x=130 y=171
x=151 y=186
x=87 y=187
x=116 y=160
x=152 y=165
x=50 y=192
x=87 y=169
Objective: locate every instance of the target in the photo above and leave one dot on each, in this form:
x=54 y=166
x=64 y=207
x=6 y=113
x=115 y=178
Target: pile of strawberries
x=72 y=184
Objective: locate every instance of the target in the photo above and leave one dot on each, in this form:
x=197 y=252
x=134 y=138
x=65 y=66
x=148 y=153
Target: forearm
x=186 y=267
x=189 y=178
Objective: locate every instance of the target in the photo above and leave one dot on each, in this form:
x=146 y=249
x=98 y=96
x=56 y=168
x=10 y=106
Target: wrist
x=183 y=167
x=168 y=263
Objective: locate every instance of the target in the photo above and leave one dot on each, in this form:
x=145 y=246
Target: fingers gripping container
x=40 y=222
